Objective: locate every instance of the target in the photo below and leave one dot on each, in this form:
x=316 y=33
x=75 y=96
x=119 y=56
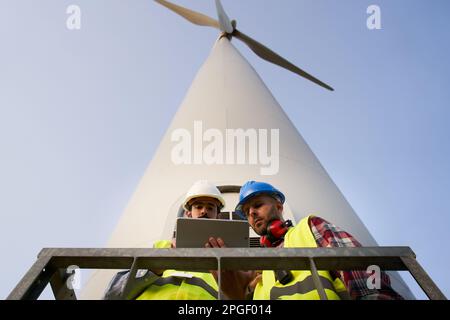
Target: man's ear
x=280 y=207
x=188 y=214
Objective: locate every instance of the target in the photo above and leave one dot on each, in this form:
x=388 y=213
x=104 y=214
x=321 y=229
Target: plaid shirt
x=328 y=235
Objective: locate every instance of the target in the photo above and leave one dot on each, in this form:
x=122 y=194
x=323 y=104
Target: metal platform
x=52 y=264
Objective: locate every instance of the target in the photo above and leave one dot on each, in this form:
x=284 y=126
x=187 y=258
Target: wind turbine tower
x=227 y=101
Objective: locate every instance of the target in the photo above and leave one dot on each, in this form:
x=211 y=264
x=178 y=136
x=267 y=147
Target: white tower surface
x=227 y=93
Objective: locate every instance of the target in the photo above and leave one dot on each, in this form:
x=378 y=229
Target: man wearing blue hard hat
x=263 y=204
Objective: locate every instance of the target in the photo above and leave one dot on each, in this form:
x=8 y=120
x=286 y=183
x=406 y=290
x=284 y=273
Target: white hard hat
x=203 y=188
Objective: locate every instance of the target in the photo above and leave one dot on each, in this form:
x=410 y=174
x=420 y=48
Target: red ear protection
x=275 y=232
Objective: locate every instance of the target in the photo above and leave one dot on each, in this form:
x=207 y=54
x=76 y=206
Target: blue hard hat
x=254 y=188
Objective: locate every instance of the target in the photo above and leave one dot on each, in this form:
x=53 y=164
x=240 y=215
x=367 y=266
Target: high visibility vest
x=301 y=287
x=180 y=285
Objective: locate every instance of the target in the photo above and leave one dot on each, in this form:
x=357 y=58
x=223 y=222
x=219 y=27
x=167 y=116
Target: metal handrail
x=52 y=262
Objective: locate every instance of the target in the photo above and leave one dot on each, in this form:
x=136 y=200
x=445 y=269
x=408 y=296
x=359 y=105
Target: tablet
x=194 y=233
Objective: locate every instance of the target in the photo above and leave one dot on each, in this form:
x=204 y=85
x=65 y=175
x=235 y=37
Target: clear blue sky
x=82 y=112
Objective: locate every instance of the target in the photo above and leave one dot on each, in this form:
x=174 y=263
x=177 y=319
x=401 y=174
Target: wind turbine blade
x=190 y=15
x=267 y=54
x=224 y=20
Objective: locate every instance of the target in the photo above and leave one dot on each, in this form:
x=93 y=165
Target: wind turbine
x=152 y=210
x=229 y=30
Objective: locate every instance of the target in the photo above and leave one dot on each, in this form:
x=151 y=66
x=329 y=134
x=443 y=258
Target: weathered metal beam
x=34 y=281
x=52 y=259
x=425 y=282
x=58 y=283
x=316 y=279
x=198 y=259
x=219 y=279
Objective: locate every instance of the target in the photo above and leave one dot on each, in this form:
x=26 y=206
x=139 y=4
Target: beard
x=261 y=230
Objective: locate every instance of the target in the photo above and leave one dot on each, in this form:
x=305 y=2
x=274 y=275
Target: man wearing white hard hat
x=203 y=200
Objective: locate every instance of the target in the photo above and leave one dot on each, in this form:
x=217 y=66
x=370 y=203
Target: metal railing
x=52 y=263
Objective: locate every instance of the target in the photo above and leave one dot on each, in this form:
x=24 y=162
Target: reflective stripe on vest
x=195 y=285
x=302 y=286
x=192 y=281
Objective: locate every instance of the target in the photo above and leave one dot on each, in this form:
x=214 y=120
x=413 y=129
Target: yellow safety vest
x=180 y=285
x=302 y=285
